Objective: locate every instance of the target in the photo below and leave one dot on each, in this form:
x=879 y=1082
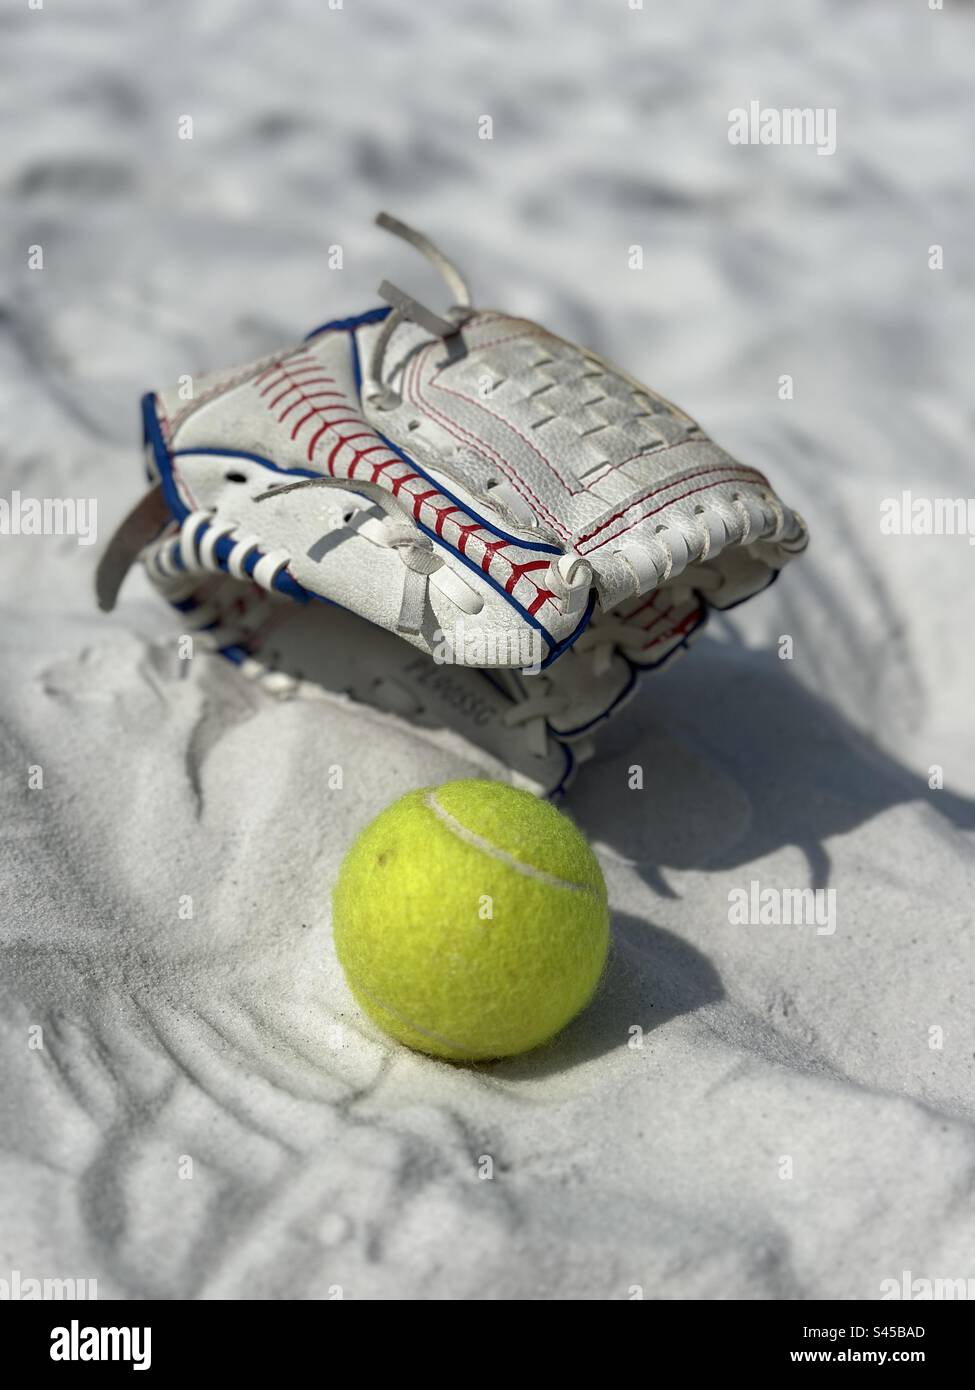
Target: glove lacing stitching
x=193 y=551
x=379 y=394
x=421 y=561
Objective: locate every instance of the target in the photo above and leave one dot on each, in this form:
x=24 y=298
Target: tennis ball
x=471 y=920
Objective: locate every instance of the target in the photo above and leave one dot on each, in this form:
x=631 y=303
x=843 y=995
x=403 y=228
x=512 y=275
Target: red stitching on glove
x=686 y=624
x=319 y=412
x=296 y=386
x=340 y=445
x=740 y=473
x=289 y=373
x=315 y=395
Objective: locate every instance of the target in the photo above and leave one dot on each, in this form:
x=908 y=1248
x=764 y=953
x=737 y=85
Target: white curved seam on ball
x=478 y=842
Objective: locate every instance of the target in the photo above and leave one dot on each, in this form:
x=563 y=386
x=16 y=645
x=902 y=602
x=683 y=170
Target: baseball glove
x=506 y=529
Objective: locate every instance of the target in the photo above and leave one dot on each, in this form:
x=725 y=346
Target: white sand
x=322 y=1155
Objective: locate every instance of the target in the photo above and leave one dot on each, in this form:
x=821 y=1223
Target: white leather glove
x=493 y=495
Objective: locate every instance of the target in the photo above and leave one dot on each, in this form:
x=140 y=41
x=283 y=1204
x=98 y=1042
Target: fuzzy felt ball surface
x=471 y=920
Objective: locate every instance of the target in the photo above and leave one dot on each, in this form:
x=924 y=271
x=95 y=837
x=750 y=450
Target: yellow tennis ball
x=471 y=920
